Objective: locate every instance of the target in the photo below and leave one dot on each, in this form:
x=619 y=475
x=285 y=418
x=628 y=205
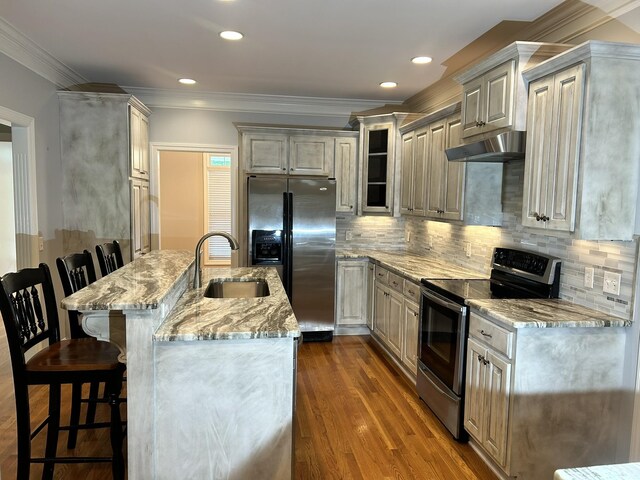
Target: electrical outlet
x=40 y=243
x=588 y=277
x=348 y=235
x=467 y=249
x=611 y=283
x=430 y=241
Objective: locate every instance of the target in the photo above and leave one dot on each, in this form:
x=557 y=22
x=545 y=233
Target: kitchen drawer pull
x=395 y=284
x=411 y=292
x=488 y=335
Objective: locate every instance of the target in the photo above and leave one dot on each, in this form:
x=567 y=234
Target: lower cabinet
x=487 y=399
x=351 y=292
x=395 y=317
x=411 y=326
x=531 y=402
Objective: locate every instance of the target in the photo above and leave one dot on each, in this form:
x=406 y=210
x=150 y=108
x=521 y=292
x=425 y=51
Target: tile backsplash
x=450 y=241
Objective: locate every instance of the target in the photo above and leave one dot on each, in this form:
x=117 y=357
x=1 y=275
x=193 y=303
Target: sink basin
x=237 y=288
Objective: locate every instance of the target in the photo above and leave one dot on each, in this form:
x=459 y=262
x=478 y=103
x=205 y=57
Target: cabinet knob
x=351 y=207
x=415 y=314
x=284 y=169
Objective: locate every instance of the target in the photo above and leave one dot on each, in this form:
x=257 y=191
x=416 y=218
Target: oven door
x=443 y=330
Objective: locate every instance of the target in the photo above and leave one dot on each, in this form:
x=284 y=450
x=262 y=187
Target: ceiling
x=327 y=48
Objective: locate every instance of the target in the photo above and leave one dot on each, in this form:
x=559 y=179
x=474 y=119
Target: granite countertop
x=413 y=267
x=623 y=471
x=139 y=285
x=196 y=317
x=544 y=313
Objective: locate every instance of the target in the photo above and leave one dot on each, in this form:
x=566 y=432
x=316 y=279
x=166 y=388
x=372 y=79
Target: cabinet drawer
x=395 y=281
x=382 y=275
x=496 y=337
x=412 y=291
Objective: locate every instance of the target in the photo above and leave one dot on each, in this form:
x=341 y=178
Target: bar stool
x=109 y=257
x=30 y=314
x=76 y=272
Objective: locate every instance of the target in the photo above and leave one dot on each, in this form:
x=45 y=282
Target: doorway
x=195 y=190
x=19 y=239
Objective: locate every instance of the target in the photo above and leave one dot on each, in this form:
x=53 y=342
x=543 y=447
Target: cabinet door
x=135 y=142
x=377 y=188
x=351 y=292
x=472 y=107
x=436 y=164
x=136 y=217
x=539 y=111
x=406 y=181
x=455 y=174
x=346 y=181
x=380 y=311
x=475 y=389
x=264 y=153
x=145 y=219
x=144 y=147
x=498 y=100
x=410 y=341
x=498 y=384
x=562 y=174
x=309 y=155
x=371 y=296
x=420 y=171
x=395 y=310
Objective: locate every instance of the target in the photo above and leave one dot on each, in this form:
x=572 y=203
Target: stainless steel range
x=444 y=320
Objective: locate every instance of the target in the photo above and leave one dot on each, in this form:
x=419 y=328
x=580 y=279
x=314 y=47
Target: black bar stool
x=30 y=314
x=109 y=257
x=76 y=272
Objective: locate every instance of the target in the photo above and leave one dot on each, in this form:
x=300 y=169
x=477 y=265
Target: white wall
x=172 y=125
x=25 y=92
x=7 y=217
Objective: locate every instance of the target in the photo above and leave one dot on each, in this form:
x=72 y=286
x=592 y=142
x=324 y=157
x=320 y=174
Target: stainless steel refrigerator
x=292 y=225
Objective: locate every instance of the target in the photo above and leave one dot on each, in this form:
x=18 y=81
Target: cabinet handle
x=485 y=362
x=394 y=283
x=480 y=358
x=411 y=292
x=480 y=123
x=284 y=169
x=488 y=335
x=415 y=314
x=351 y=207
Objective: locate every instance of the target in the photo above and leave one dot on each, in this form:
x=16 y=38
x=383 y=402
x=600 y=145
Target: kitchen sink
x=237 y=288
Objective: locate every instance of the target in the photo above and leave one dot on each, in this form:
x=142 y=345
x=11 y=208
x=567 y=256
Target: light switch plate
x=611 y=283
x=467 y=249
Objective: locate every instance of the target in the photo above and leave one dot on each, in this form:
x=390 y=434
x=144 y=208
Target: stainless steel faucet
x=233 y=243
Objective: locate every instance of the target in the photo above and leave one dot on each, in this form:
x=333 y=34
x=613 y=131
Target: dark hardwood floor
x=356 y=418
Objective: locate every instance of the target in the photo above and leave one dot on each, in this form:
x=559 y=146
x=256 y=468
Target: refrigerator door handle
x=285 y=242
x=289 y=250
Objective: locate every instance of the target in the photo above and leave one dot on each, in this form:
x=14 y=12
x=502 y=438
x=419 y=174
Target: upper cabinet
x=104 y=143
x=435 y=188
x=139 y=139
x=581 y=169
x=494 y=92
x=324 y=152
x=379 y=165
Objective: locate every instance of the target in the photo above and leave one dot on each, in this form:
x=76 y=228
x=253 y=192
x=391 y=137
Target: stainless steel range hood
x=495 y=148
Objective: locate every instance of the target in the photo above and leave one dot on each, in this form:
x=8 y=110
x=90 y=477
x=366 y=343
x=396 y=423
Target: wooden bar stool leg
x=117 y=465
x=91 y=406
x=53 y=427
x=23 y=425
x=74 y=418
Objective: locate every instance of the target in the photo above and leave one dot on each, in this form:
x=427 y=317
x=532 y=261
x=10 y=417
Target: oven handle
x=434 y=297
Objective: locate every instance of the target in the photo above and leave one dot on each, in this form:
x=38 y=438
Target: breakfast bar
x=210 y=381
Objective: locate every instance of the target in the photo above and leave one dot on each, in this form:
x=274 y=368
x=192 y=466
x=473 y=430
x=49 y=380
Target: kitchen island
x=210 y=381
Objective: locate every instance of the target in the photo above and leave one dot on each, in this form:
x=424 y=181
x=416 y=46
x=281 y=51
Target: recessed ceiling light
x=421 y=60
x=187 y=81
x=388 y=84
x=231 y=35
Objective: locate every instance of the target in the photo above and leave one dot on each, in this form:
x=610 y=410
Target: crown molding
x=24 y=51
x=254 y=103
